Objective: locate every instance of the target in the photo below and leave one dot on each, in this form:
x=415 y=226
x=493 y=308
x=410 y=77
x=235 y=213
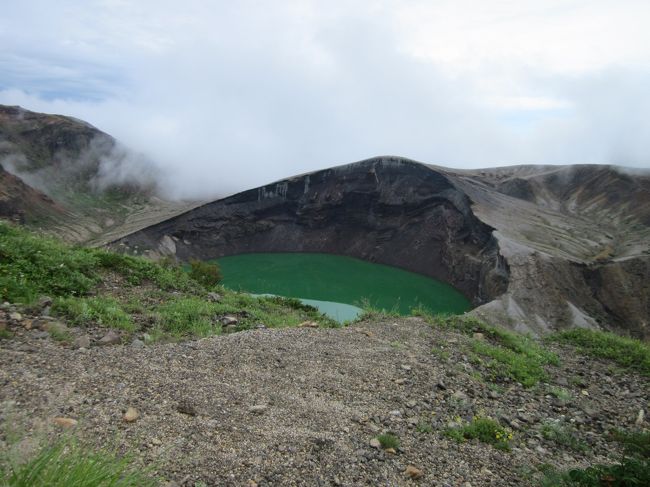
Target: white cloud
x=226 y=95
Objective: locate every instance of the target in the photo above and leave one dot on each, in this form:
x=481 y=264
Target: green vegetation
x=98 y=310
x=206 y=273
x=131 y=293
x=483 y=429
x=633 y=470
x=627 y=353
x=561 y=393
x=67 y=463
x=388 y=440
x=563 y=435
x=504 y=354
x=424 y=427
x=31 y=266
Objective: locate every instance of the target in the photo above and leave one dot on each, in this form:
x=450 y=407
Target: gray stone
x=111 y=338
x=136 y=343
x=229 y=320
x=82 y=342
x=214 y=297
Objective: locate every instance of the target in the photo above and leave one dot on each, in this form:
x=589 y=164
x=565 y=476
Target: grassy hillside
x=93 y=287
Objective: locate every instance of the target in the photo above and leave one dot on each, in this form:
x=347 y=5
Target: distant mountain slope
x=20 y=202
x=96 y=186
x=535 y=247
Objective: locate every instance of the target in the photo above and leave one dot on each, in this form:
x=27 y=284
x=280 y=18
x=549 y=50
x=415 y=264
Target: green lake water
x=329 y=280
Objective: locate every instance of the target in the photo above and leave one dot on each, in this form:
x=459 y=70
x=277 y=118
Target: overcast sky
x=226 y=95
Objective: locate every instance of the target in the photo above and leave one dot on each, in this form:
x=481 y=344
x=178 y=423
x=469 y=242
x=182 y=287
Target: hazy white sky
x=226 y=95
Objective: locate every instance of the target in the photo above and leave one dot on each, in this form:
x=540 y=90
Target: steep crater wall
x=385 y=210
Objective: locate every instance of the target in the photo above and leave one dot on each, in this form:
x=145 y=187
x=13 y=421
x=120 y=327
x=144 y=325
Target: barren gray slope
x=300 y=406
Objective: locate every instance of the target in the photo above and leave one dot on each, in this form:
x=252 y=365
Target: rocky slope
x=88 y=178
x=303 y=407
x=535 y=248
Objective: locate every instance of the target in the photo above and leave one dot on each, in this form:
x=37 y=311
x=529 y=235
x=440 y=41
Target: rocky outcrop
x=535 y=249
x=386 y=210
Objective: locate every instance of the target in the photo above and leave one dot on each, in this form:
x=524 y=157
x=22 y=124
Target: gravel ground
x=300 y=406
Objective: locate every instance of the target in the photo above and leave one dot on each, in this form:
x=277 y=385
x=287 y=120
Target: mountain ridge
x=563 y=242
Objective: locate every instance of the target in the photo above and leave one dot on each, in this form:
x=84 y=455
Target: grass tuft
x=388 y=440
x=562 y=435
x=628 y=353
x=484 y=429
x=67 y=463
x=509 y=355
x=98 y=310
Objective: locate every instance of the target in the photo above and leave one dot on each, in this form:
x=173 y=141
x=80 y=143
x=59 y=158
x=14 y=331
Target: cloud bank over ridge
x=228 y=95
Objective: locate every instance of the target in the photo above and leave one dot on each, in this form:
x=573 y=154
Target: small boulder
x=478 y=336
x=413 y=472
x=258 y=408
x=640 y=417
x=65 y=422
x=229 y=320
x=111 y=338
x=82 y=341
x=186 y=407
x=308 y=324
x=54 y=327
x=131 y=415
x=136 y=343
x=214 y=297
x=375 y=443
x=15 y=316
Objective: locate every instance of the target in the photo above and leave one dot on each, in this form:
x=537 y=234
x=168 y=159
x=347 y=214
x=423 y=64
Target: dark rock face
x=535 y=248
x=384 y=210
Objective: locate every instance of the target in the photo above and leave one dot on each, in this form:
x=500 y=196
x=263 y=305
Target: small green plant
x=205 y=273
x=388 y=440
x=370 y=312
x=188 y=315
x=633 y=470
x=561 y=393
x=484 y=429
x=441 y=353
x=563 y=435
x=95 y=310
x=628 y=353
x=66 y=463
x=424 y=427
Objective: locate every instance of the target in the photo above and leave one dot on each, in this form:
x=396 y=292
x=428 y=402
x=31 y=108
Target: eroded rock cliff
x=534 y=248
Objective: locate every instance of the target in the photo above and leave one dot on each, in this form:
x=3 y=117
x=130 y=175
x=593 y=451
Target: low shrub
x=484 y=429
x=208 y=274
